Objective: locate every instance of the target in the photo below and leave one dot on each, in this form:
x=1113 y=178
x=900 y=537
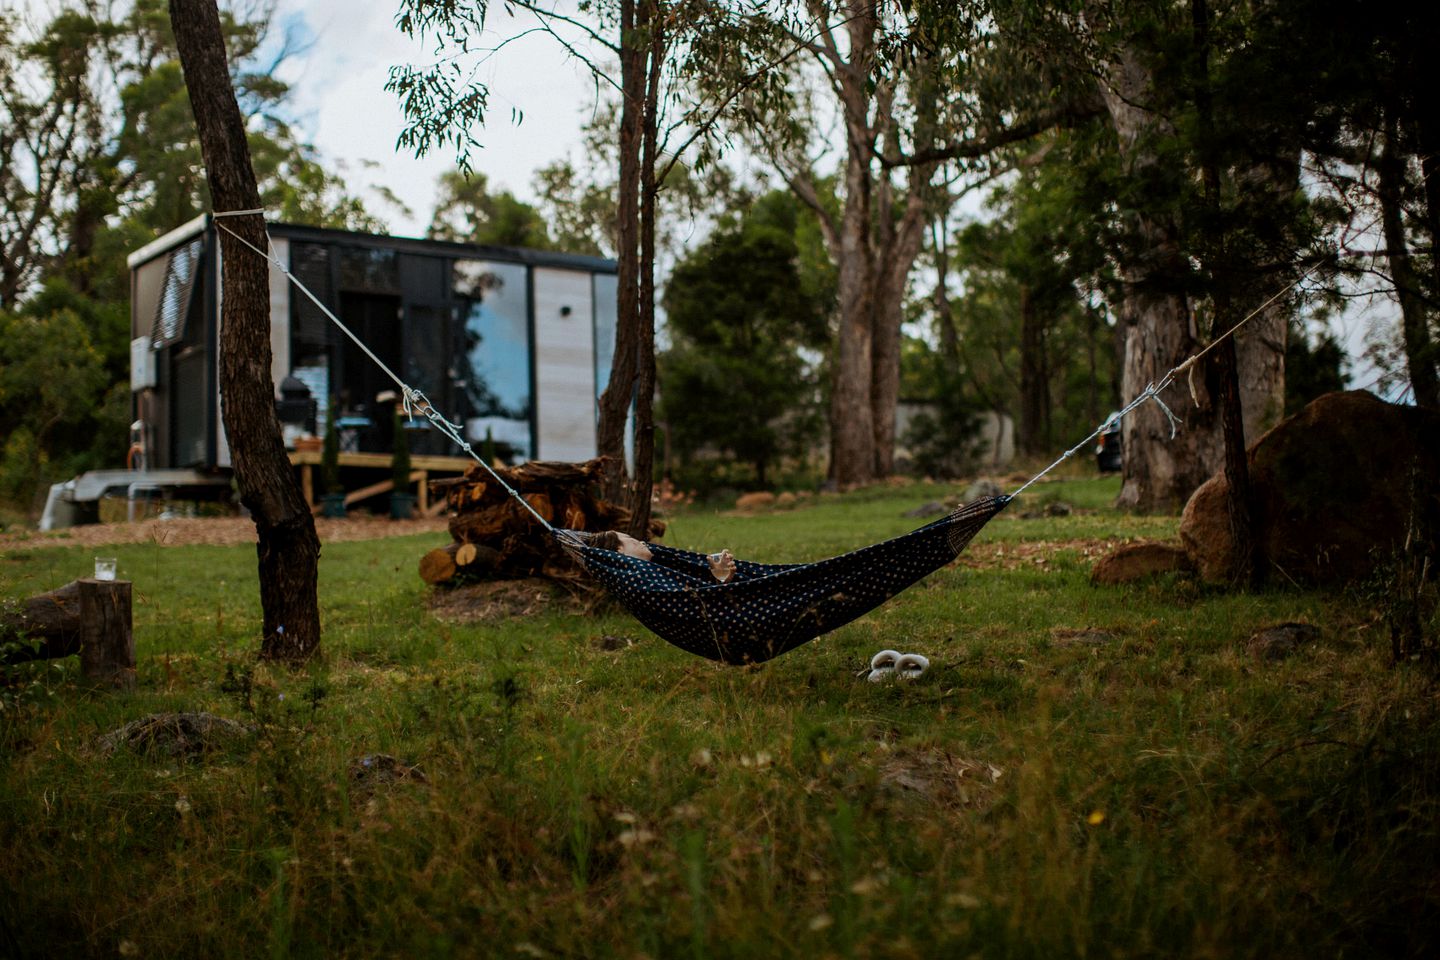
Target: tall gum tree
x=287 y=546
x=1160 y=299
x=910 y=92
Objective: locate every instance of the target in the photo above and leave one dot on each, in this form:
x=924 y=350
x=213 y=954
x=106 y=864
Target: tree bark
x=652 y=29
x=1034 y=377
x=288 y=549
x=1415 y=320
x=620 y=391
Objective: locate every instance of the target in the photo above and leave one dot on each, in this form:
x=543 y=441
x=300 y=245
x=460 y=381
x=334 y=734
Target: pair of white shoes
x=891 y=663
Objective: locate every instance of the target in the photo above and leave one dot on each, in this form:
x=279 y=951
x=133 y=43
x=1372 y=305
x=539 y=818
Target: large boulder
x=1335 y=489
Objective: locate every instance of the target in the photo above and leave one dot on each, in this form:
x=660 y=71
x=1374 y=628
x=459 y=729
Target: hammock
x=765 y=610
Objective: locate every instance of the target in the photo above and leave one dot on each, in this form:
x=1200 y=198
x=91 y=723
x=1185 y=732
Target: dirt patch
x=213 y=531
x=942 y=778
x=1032 y=553
x=505 y=599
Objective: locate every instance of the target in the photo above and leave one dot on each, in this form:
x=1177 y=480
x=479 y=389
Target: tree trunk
x=652 y=28
x=1160 y=471
x=1034 y=383
x=620 y=391
x=1223 y=275
x=288 y=548
x=87 y=617
x=1415 y=326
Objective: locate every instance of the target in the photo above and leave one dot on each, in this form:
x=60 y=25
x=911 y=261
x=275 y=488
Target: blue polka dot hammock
x=765 y=609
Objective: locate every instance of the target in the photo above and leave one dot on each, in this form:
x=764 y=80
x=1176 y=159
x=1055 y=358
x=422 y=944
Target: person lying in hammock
x=722 y=564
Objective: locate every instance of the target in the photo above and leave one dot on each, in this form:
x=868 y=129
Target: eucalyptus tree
x=1206 y=221
x=644 y=51
x=884 y=95
x=287 y=547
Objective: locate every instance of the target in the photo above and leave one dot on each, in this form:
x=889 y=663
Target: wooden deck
x=421 y=467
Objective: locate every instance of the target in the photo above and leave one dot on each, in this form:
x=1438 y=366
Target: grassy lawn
x=1144 y=789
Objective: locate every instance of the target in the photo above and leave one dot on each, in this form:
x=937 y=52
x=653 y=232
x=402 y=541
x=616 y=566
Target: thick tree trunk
x=1160 y=471
x=288 y=548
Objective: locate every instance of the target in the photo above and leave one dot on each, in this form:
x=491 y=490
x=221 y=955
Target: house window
x=492 y=375
x=176 y=290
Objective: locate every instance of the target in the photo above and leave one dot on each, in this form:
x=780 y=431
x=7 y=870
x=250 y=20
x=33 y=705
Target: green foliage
x=1313 y=366
x=98 y=157
x=1042 y=791
x=60 y=393
x=740 y=316
x=466 y=211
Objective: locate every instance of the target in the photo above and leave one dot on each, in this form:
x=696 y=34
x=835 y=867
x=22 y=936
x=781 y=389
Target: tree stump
x=88 y=617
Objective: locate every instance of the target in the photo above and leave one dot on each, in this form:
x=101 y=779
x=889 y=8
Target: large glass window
x=492 y=376
x=607 y=291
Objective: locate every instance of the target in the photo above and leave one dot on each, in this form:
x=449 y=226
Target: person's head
x=609 y=540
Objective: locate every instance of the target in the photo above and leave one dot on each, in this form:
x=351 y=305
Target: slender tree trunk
x=1245 y=545
x=1419 y=351
x=287 y=547
x=1033 y=401
x=944 y=319
x=615 y=401
x=652 y=28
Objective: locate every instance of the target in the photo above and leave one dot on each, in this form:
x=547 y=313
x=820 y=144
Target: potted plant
x=333 y=494
x=402 y=501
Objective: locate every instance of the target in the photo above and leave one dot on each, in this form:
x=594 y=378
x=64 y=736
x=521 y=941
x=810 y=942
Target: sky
x=339 y=102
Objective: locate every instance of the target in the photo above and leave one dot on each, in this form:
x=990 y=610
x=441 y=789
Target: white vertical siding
x=564 y=365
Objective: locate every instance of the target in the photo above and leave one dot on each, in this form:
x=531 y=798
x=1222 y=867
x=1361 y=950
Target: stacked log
x=494 y=537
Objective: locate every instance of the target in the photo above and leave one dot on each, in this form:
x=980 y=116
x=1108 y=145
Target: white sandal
x=911 y=665
x=882 y=665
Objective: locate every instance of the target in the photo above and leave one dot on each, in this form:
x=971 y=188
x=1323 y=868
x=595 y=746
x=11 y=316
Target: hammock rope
x=764 y=610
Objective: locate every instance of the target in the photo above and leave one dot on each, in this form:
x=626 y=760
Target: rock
x=751 y=502
x=1335 y=488
x=984 y=487
x=175 y=735
x=1281 y=640
x=1058 y=509
x=1136 y=561
x=932 y=509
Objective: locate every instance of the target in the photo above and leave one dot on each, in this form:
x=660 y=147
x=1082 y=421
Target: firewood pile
x=495 y=538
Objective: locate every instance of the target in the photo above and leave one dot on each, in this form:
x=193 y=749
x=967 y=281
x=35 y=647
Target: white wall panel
x=564 y=365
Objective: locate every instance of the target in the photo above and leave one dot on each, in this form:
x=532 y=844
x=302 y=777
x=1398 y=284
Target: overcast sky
x=340 y=103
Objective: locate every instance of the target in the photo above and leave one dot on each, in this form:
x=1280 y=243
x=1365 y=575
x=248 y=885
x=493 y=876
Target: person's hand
x=632 y=547
x=722 y=565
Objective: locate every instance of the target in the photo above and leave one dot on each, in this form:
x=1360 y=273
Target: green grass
x=1159 y=793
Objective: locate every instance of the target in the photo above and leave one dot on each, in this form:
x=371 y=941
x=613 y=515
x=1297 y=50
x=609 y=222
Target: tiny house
x=514 y=344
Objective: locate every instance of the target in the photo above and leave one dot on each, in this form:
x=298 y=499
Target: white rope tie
x=237 y=213
x=414 y=401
